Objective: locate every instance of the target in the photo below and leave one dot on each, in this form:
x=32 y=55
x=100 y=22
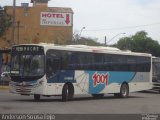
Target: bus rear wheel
x=67 y=92
x=124 y=91
x=37 y=97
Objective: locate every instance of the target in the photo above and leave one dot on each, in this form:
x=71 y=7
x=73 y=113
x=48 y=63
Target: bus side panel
x=56 y=81
x=95 y=82
x=139 y=86
x=82 y=82
x=142 y=81
x=50 y=89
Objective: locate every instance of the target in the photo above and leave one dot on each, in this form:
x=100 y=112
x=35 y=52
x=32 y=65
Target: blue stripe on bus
x=98 y=80
x=120 y=77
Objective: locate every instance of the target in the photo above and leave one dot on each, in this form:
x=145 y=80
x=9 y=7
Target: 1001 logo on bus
x=100 y=79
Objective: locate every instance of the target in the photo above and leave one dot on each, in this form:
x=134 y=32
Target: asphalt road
x=136 y=103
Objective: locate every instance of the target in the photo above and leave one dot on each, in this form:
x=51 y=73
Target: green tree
x=85 y=40
x=88 y=41
x=140 y=42
x=125 y=43
x=5 y=21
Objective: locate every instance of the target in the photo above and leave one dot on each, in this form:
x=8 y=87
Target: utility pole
x=18 y=25
x=13 y=24
x=105 y=40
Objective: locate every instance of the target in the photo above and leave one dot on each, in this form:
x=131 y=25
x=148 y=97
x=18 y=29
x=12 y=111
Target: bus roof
x=86 y=48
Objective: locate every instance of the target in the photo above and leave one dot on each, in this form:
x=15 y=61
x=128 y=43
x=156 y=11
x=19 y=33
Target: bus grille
x=23 y=90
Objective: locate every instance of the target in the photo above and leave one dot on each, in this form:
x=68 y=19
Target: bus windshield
x=27 y=65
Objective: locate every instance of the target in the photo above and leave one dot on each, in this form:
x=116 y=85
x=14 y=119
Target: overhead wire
x=126 y=27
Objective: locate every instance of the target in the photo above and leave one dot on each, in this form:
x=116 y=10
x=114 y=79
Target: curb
x=4 y=87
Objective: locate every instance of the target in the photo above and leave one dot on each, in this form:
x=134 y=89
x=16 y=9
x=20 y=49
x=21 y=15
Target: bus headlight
x=41 y=82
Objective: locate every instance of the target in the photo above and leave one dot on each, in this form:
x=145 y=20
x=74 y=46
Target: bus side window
x=53 y=64
x=56 y=64
x=98 y=61
x=48 y=67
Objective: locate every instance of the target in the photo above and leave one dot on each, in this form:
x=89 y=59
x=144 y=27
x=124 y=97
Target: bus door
x=52 y=71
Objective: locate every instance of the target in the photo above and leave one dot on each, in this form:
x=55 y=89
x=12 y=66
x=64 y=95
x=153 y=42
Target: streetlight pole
x=115 y=36
x=81 y=32
x=13 y=24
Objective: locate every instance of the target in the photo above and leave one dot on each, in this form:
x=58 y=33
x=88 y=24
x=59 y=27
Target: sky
x=110 y=18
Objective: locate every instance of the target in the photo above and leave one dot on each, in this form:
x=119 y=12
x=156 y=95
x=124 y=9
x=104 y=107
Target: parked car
x=5 y=76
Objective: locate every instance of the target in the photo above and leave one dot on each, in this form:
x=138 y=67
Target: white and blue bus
x=48 y=70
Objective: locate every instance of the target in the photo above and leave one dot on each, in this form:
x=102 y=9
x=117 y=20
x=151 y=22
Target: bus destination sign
x=27 y=49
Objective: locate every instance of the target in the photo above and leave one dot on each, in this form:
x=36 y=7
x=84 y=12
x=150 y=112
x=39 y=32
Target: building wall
x=29 y=30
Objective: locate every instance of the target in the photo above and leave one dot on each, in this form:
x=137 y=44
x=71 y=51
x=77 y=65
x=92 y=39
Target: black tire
x=71 y=92
x=67 y=92
x=98 y=95
x=37 y=97
x=124 y=91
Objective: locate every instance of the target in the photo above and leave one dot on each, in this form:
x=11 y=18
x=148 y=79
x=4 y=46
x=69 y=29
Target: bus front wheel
x=67 y=92
x=36 y=97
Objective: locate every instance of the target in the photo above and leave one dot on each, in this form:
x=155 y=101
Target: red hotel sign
x=56 y=19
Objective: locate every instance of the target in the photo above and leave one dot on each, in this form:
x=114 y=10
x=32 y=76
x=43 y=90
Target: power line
x=126 y=27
